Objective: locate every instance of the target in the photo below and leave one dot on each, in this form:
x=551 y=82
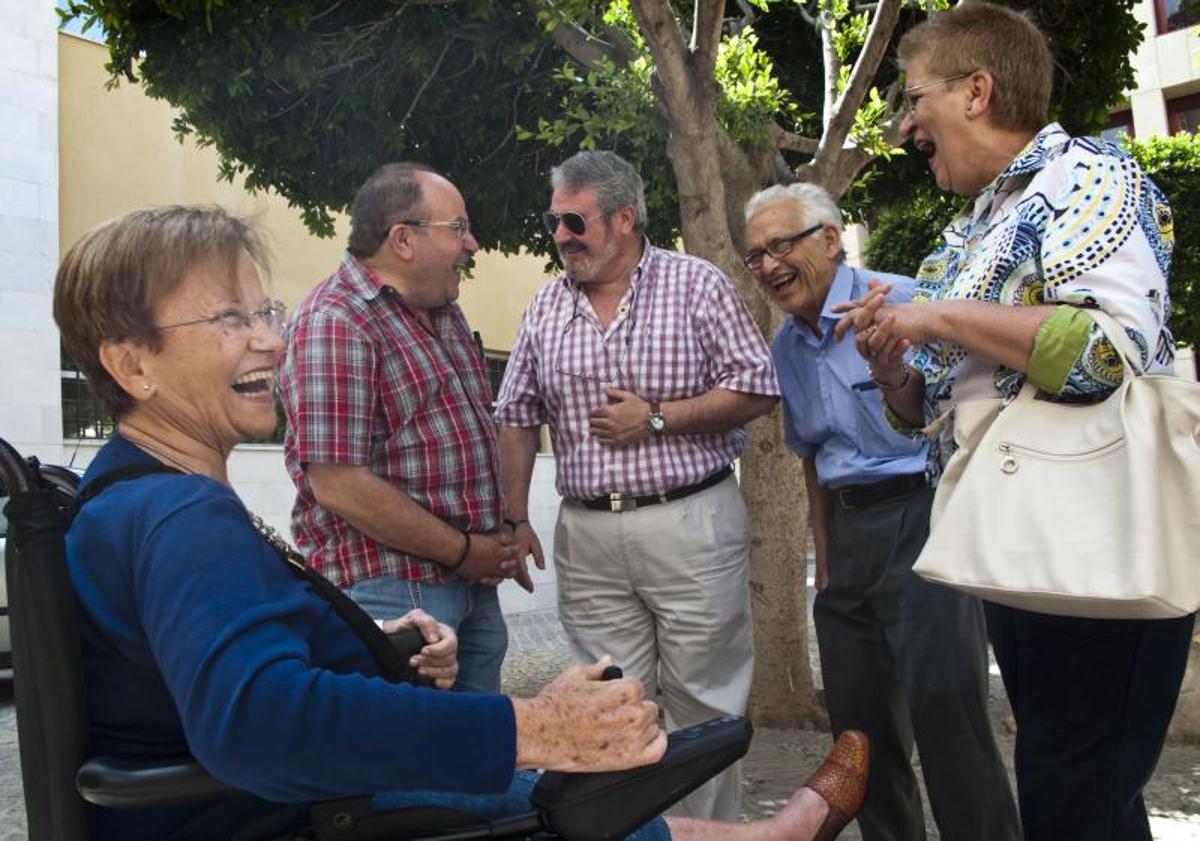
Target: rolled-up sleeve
x=731 y=339
x=1106 y=245
x=520 y=400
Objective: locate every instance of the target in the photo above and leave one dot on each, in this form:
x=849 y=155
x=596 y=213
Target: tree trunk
x=711 y=197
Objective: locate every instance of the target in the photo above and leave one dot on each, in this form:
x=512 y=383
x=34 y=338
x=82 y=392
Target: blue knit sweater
x=198 y=639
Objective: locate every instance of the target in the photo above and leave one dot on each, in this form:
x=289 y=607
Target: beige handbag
x=1077 y=510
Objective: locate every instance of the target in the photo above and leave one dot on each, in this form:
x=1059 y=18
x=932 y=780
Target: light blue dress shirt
x=833 y=412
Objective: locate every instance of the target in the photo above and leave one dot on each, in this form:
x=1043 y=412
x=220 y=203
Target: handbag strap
x=384 y=649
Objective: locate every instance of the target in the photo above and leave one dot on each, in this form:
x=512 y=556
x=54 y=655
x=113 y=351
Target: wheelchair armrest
x=123 y=784
x=609 y=805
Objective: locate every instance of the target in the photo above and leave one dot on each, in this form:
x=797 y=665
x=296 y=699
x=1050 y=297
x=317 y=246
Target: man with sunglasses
x=645 y=364
x=900 y=657
x=390 y=440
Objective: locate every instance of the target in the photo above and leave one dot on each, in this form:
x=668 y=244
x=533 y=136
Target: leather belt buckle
x=620 y=503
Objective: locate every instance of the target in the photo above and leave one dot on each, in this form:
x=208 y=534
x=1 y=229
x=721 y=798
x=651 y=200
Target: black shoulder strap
x=107 y=480
x=391 y=652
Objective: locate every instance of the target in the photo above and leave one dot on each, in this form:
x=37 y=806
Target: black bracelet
x=462 y=557
x=512 y=524
x=888 y=386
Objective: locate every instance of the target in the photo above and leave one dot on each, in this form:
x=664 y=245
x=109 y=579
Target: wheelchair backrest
x=52 y=730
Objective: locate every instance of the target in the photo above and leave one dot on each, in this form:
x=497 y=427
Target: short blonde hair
x=978 y=35
x=112 y=280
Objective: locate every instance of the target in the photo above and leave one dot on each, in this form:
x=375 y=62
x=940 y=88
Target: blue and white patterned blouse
x=1069 y=221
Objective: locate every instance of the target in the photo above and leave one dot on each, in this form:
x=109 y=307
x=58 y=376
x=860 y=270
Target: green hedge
x=905 y=233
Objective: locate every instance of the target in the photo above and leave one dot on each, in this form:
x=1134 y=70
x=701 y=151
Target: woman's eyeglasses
x=233 y=322
x=777 y=248
x=574 y=222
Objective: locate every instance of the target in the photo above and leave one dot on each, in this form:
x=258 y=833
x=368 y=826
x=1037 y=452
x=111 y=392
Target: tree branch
x=832 y=64
x=425 y=84
x=781 y=138
x=585 y=48
x=657 y=21
x=706 y=34
x=878 y=36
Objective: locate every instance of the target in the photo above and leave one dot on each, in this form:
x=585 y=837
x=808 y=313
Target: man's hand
x=491 y=559
x=527 y=544
x=623 y=421
x=580 y=723
x=438 y=658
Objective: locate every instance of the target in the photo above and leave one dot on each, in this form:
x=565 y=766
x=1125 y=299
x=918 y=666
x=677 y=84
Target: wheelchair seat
x=63 y=781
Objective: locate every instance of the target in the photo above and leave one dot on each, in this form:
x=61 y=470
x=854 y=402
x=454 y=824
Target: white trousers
x=664 y=590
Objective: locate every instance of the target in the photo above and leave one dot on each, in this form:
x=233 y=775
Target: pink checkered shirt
x=680 y=331
x=364 y=383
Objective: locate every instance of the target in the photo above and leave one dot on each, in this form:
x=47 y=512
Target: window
x=1183 y=114
x=1119 y=125
x=1176 y=14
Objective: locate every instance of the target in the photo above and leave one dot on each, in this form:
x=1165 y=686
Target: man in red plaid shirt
x=390 y=441
x=645 y=363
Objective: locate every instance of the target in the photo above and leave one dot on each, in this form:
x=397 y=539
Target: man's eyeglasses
x=232 y=322
x=777 y=248
x=576 y=223
x=461 y=226
x=910 y=103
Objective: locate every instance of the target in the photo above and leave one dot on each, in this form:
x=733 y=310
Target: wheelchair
x=63 y=782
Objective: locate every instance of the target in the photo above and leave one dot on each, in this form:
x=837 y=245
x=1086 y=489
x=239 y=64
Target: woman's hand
x=438 y=658
x=581 y=723
x=884 y=332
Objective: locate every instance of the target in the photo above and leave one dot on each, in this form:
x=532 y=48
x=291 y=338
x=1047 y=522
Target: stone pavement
x=778 y=762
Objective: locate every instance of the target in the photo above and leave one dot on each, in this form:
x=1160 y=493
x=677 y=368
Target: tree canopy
x=308 y=96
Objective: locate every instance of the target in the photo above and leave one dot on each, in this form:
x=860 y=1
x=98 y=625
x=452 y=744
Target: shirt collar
x=361 y=279
x=1036 y=154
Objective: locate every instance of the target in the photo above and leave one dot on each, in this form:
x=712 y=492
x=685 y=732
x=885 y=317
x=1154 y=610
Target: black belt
x=858 y=497
x=621 y=503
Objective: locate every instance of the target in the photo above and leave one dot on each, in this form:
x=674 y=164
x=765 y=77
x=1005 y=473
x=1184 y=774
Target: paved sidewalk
x=778 y=762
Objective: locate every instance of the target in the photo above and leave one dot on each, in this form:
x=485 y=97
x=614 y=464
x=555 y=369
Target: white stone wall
x=1167 y=66
x=30 y=396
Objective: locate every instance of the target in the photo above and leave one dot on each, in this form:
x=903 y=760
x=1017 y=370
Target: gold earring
x=147 y=387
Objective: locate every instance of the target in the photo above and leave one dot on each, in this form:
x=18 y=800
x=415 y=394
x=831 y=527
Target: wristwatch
x=656 y=421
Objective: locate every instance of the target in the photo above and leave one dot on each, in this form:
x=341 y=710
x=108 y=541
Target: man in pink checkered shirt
x=390 y=441
x=645 y=363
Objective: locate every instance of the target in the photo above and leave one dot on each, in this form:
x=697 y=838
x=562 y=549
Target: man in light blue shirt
x=901 y=658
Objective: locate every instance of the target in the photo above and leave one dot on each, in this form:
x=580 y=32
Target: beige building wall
x=117 y=152
x=1167 y=67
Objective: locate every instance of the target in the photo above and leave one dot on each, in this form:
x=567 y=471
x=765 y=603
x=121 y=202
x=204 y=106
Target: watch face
x=657 y=422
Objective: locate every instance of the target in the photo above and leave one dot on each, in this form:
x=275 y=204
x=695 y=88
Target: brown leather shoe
x=841 y=781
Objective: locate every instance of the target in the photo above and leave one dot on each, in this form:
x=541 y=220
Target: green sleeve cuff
x=1057 y=347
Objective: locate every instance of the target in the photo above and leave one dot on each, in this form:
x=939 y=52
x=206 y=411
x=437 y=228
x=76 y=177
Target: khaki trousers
x=664 y=590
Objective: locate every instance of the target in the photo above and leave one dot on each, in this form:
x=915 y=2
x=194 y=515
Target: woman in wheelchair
x=200 y=639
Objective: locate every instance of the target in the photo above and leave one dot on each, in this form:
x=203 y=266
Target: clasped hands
x=497 y=555
x=883 y=332
x=438 y=658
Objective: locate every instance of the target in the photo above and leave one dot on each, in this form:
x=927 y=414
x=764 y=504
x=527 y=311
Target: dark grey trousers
x=904 y=659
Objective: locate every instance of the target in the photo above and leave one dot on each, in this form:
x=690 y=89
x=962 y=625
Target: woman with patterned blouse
x=1054 y=226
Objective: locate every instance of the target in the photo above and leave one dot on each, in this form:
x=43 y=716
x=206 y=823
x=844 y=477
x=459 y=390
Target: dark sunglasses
x=576 y=223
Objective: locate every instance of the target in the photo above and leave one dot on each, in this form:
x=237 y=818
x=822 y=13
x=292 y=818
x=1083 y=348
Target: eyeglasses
x=232 y=322
x=777 y=248
x=911 y=104
x=576 y=223
x=461 y=226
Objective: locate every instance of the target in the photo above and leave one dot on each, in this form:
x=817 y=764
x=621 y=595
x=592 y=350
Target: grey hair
x=613 y=179
x=814 y=202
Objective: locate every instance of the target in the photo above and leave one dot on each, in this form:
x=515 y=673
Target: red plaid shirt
x=681 y=330
x=364 y=383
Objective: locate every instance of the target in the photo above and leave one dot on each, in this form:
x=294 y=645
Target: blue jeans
x=513 y=802
x=471 y=609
